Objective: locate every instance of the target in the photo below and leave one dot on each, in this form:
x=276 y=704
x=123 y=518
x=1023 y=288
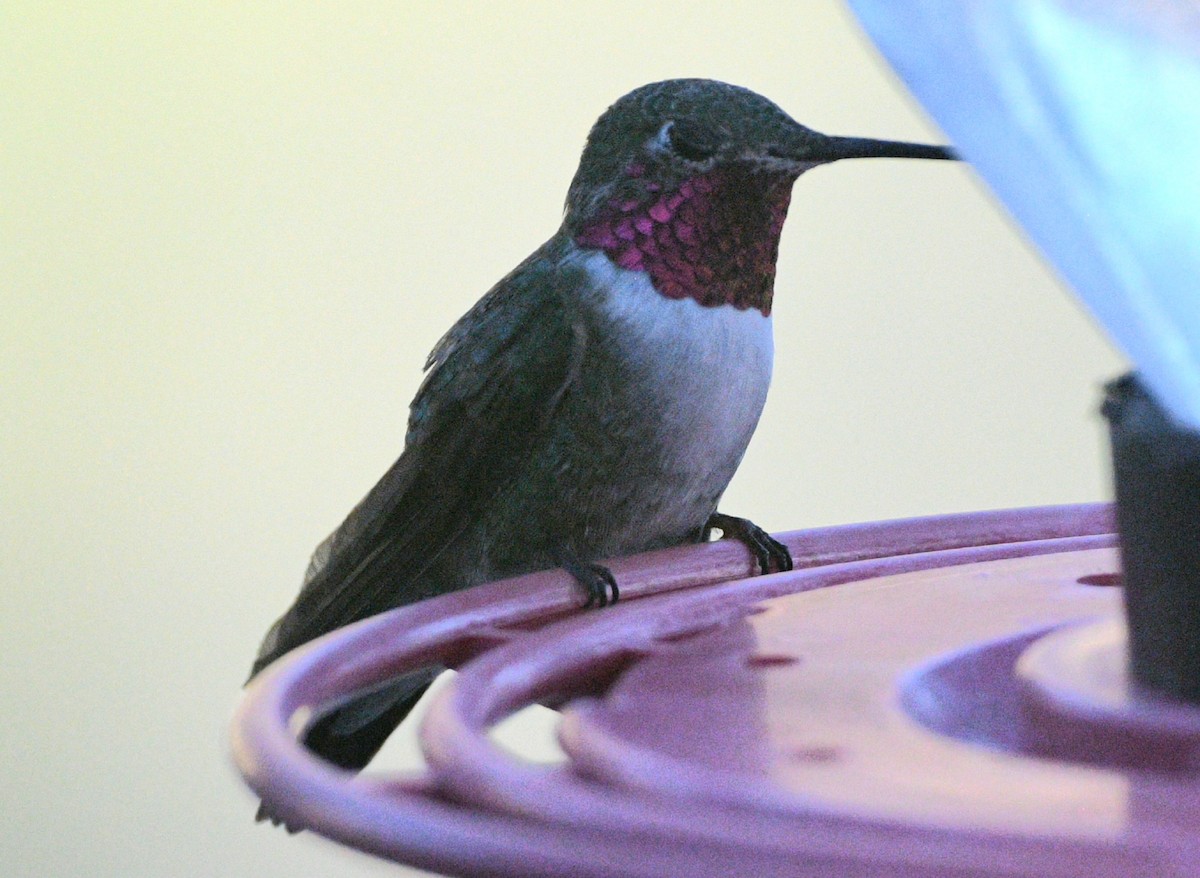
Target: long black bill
x=831 y=149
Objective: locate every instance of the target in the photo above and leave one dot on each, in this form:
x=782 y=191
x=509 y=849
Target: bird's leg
x=596 y=580
x=767 y=550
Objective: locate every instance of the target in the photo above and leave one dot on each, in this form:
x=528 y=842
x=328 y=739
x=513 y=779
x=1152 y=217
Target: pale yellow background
x=231 y=234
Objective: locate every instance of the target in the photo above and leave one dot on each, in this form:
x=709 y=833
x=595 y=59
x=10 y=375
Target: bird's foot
x=597 y=581
x=265 y=814
x=767 y=551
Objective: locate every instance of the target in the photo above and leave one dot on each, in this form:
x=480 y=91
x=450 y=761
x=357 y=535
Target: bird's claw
x=767 y=551
x=596 y=580
x=265 y=813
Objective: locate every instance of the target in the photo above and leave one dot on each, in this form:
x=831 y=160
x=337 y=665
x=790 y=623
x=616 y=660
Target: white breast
x=708 y=368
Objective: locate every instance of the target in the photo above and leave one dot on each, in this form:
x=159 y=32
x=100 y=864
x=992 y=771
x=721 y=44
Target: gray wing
x=493 y=382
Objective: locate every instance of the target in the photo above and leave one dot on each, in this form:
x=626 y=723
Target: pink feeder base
x=936 y=697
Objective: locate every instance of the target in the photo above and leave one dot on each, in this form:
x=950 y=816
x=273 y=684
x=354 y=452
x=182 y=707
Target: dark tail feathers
x=351 y=735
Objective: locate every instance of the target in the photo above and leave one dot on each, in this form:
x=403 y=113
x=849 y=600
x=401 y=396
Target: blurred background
x=229 y=235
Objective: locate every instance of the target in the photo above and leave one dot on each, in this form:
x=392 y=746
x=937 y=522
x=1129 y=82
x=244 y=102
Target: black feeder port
x=1156 y=465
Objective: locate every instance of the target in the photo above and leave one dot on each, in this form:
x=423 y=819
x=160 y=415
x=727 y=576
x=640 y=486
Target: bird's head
x=689 y=180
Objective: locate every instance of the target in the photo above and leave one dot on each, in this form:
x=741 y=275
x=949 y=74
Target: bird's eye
x=690 y=141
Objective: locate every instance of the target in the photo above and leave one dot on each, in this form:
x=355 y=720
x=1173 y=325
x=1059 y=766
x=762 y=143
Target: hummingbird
x=598 y=399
